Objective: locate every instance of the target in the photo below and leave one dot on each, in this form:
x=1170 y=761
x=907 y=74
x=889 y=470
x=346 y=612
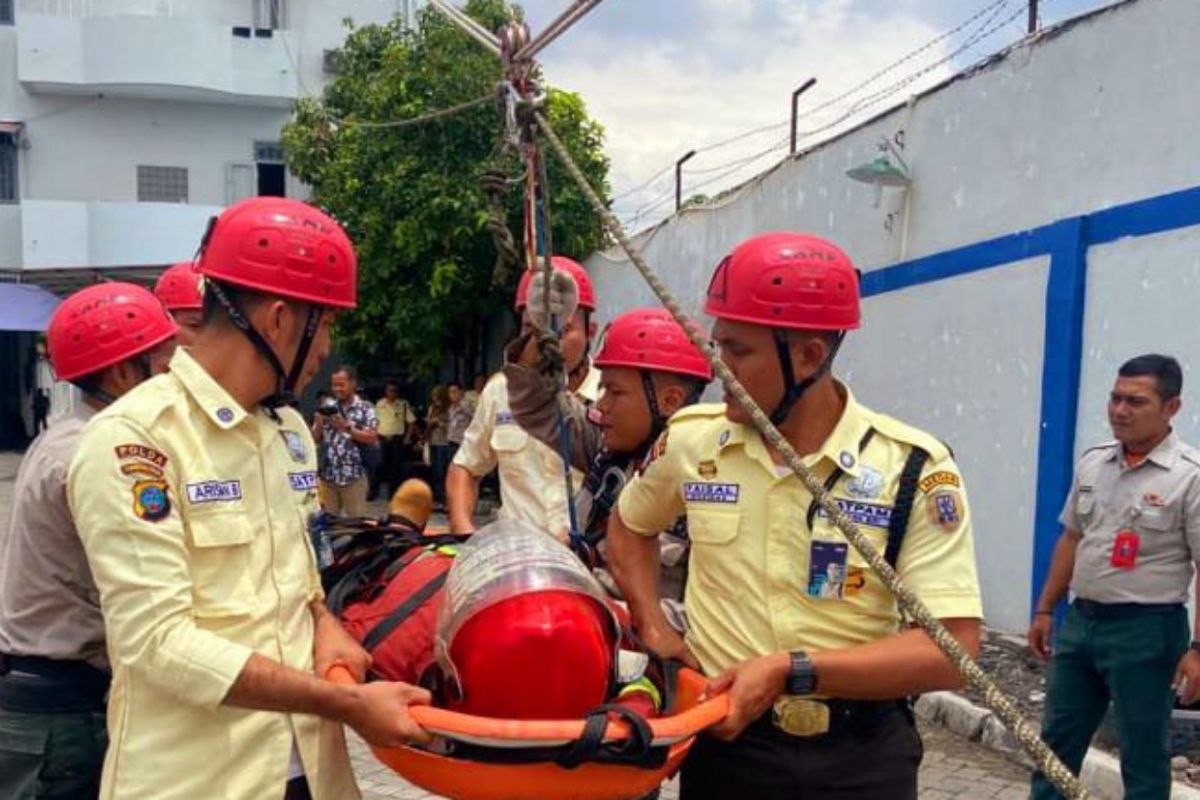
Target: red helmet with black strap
x=178 y=288
x=788 y=281
x=285 y=248
x=102 y=325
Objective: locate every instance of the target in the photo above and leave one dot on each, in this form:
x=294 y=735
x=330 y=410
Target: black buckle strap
x=793 y=391
x=906 y=495
x=637 y=750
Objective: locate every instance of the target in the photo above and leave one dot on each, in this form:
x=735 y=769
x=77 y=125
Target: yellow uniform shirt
x=762 y=578
x=193 y=516
x=532 y=487
x=394 y=416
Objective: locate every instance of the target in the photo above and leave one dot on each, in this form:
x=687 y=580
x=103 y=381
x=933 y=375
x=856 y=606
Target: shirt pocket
x=1155 y=519
x=711 y=527
x=509 y=438
x=222 y=566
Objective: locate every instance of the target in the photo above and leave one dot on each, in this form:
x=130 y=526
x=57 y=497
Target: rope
x=404 y=123
x=1024 y=732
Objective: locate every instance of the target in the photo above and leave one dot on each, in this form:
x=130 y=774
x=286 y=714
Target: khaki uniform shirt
x=761 y=579
x=532 y=487
x=49 y=605
x=394 y=416
x=193 y=514
x=1158 y=500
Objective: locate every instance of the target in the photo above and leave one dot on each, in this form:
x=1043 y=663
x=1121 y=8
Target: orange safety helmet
x=587 y=291
x=178 y=288
x=525 y=631
x=102 y=325
x=788 y=281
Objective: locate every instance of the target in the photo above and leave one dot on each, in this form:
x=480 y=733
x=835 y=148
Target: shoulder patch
x=939 y=479
x=1191 y=456
x=903 y=432
x=151 y=500
x=140 y=452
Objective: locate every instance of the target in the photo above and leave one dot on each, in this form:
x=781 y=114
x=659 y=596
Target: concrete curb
x=1101 y=771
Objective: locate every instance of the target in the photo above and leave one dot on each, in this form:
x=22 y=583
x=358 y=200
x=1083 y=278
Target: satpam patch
x=938 y=480
x=860 y=513
x=141 y=451
x=151 y=500
x=945 y=510
x=303 y=481
x=711 y=492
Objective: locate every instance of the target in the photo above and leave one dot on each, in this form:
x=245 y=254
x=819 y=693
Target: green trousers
x=51 y=755
x=1129 y=661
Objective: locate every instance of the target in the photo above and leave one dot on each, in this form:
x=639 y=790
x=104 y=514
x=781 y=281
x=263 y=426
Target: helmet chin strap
x=657 y=421
x=793 y=389
x=285 y=379
x=141 y=362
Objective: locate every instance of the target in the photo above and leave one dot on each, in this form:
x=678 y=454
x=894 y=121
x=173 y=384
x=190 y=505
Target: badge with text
x=711 y=492
x=939 y=480
x=1125 y=550
x=827 y=570
x=945 y=510
x=303 y=481
x=150 y=500
x=140 y=452
x=872 y=514
x=868 y=484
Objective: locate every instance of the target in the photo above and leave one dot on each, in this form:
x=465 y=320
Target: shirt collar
x=840 y=447
x=217 y=404
x=1165 y=452
x=589 y=387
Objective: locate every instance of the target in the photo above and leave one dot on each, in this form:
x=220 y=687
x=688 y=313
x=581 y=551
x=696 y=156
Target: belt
x=795 y=718
x=37 y=685
x=1094 y=610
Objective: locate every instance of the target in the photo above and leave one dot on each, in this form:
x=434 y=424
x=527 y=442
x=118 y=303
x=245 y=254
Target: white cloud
x=730 y=66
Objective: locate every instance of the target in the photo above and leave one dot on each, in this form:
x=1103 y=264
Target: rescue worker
x=191 y=496
x=532 y=485
x=648 y=371
x=817 y=670
x=1131 y=533
x=54 y=674
x=178 y=289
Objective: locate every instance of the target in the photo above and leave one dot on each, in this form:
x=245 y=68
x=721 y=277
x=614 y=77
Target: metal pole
x=679 y=179
x=1033 y=16
x=808 y=84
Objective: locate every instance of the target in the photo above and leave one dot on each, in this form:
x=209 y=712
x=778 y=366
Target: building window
x=8 y=168
x=6 y=12
x=268 y=151
x=162 y=184
x=268 y=14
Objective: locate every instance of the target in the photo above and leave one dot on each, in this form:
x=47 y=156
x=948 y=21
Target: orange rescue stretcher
x=482 y=758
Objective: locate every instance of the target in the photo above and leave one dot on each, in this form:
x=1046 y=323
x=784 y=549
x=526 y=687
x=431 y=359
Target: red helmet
x=650 y=338
x=102 y=325
x=537 y=655
x=587 y=292
x=178 y=288
x=282 y=247
x=786 y=280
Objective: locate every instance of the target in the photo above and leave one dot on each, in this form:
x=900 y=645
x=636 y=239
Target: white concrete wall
x=1095 y=115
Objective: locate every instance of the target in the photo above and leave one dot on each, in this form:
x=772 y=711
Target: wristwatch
x=802 y=677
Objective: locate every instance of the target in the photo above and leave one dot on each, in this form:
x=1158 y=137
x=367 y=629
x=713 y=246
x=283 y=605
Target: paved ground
x=953 y=767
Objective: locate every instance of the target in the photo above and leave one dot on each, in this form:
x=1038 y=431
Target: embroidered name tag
x=303 y=481
x=863 y=513
x=711 y=492
x=214 y=491
x=504 y=418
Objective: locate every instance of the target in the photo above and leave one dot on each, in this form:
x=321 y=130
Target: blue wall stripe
x=1066 y=242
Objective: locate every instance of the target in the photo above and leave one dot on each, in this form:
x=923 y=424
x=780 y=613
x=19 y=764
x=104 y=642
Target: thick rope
x=994 y=698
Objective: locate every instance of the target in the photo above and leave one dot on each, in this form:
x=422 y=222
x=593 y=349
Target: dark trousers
x=53 y=755
x=876 y=761
x=388 y=476
x=440 y=456
x=1129 y=659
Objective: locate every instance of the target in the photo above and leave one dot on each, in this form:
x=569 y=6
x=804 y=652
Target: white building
x=1051 y=231
x=126 y=124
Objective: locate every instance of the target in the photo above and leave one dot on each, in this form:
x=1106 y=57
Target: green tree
x=408 y=195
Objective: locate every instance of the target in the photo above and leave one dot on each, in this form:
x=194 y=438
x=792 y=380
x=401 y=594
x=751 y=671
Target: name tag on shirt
x=214 y=491
x=711 y=492
x=504 y=418
x=303 y=481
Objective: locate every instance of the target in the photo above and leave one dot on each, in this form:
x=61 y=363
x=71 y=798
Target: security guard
x=532 y=486
x=191 y=495
x=178 y=289
x=1131 y=532
x=784 y=613
x=54 y=673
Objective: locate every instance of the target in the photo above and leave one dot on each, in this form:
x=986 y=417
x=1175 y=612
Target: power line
x=432 y=115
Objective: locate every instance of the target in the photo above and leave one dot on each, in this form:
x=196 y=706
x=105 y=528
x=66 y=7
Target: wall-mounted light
x=881 y=172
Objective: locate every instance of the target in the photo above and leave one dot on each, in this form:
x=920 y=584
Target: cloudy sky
x=668 y=76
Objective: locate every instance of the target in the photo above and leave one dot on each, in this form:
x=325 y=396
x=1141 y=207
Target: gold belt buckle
x=800 y=716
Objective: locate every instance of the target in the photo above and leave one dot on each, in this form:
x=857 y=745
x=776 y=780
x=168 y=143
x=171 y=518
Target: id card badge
x=827 y=570
x=1125 y=549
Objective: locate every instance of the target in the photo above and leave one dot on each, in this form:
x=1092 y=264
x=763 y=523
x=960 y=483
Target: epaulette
x=698 y=411
x=903 y=432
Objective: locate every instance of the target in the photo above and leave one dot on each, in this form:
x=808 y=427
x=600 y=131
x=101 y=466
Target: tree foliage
x=408 y=195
